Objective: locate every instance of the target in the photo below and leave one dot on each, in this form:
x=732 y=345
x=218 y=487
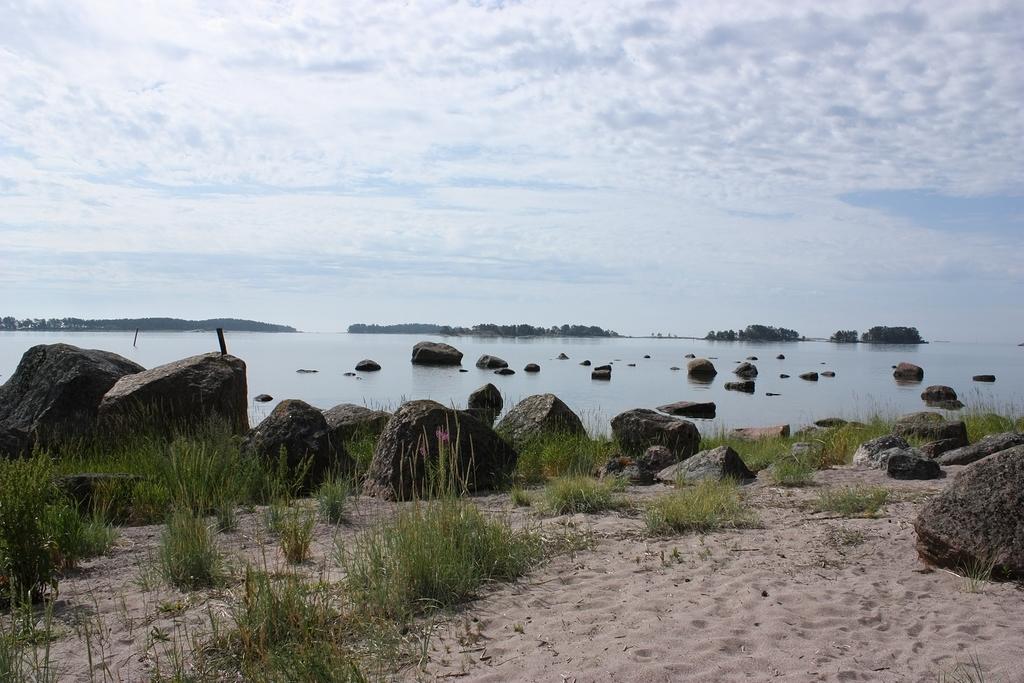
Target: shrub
x=188 y=553
x=333 y=497
x=853 y=501
x=708 y=506
x=433 y=554
x=569 y=495
x=26 y=554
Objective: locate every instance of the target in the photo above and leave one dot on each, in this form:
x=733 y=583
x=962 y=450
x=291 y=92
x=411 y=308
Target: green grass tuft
x=333 y=498
x=793 y=471
x=705 y=507
x=520 y=498
x=853 y=501
x=188 y=557
x=296 y=529
x=574 y=494
x=558 y=454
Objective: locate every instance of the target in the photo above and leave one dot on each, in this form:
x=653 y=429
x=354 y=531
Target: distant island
x=144 y=324
x=485 y=330
x=765 y=333
x=879 y=335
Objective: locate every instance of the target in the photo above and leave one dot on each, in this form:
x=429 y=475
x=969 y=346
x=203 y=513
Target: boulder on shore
x=746 y=386
x=984 y=447
x=933 y=449
x=301 y=432
x=656 y=458
x=908 y=372
x=409 y=452
x=931 y=426
x=491 y=362
x=54 y=395
x=690 y=409
x=485 y=403
x=367 y=365
x=908 y=465
x=179 y=395
x=536 y=416
x=869 y=453
x=715 y=464
x=755 y=433
x=638 y=429
x=346 y=421
x=701 y=368
x=978 y=518
x=435 y=353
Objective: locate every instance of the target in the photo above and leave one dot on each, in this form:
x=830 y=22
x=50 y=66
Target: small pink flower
x=442 y=435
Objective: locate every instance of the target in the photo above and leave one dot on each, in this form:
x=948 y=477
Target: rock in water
x=746 y=386
x=531 y=367
x=638 y=429
x=716 y=464
x=690 y=409
x=301 y=432
x=409 y=451
x=993 y=443
x=909 y=465
x=868 y=453
x=367 y=365
x=182 y=394
x=828 y=373
x=346 y=421
x=585 y=363
x=984 y=378
x=504 y=371
x=485 y=403
x=746 y=370
x=263 y=398
x=536 y=416
x=562 y=356
x=938 y=392
x=780 y=357
x=701 y=368
x=54 y=395
x=603 y=372
x=809 y=376
x=490 y=362
x=978 y=518
x=754 y=433
x=435 y=353
x=908 y=372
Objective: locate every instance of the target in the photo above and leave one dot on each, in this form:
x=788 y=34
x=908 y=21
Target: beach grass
x=853 y=501
x=582 y=494
x=705 y=507
x=558 y=454
x=188 y=557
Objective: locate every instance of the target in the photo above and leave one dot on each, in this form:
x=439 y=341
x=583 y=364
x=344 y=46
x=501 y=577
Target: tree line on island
x=766 y=333
x=144 y=324
x=755 y=333
x=485 y=330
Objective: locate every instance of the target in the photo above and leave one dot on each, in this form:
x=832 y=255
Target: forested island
x=880 y=335
x=485 y=330
x=755 y=333
x=143 y=324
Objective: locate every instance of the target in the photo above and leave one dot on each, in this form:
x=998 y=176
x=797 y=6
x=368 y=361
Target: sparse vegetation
x=520 y=498
x=571 y=495
x=853 y=501
x=188 y=556
x=558 y=454
x=976 y=574
x=333 y=499
x=964 y=672
x=705 y=507
x=296 y=529
x=793 y=471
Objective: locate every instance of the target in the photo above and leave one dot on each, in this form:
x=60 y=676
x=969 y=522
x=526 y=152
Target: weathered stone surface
x=868 y=453
x=938 y=392
x=182 y=394
x=367 y=365
x=801 y=448
x=638 y=429
x=346 y=421
x=537 y=415
x=412 y=443
x=704 y=409
x=924 y=426
x=908 y=465
x=715 y=464
x=746 y=370
x=301 y=431
x=754 y=433
x=984 y=378
x=908 y=372
x=934 y=449
x=746 y=386
x=486 y=403
x=435 y=353
x=54 y=395
x=701 y=368
x=656 y=458
x=809 y=376
x=491 y=362
x=984 y=447
x=625 y=468
x=531 y=367
x=978 y=517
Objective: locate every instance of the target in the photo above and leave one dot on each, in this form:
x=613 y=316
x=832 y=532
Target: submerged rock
x=435 y=353
x=746 y=386
x=809 y=376
x=531 y=367
x=491 y=362
x=367 y=365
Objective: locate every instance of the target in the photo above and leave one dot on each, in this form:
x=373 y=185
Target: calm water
x=863 y=383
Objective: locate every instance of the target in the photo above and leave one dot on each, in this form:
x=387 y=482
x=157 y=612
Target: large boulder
x=179 y=395
x=301 y=432
x=746 y=370
x=537 y=415
x=908 y=372
x=638 y=429
x=701 y=368
x=715 y=464
x=978 y=518
x=932 y=427
x=346 y=421
x=435 y=353
x=938 y=392
x=690 y=409
x=54 y=395
x=486 y=403
x=903 y=464
x=984 y=447
x=868 y=454
x=491 y=362
x=409 y=453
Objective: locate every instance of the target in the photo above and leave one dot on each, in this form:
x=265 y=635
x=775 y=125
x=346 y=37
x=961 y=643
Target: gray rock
x=491 y=362
x=934 y=449
x=780 y=357
x=585 y=363
x=263 y=398
x=531 y=367
x=54 y=395
x=908 y=372
x=435 y=353
x=347 y=421
x=701 y=368
x=504 y=371
x=746 y=370
x=755 y=433
x=978 y=518
x=984 y=447
x=367 y=365
x=486 y=403
x=410 y=448
x=690 y=409
x=715 y=464
x=783 y=376
x=301 y=432
x=746 y=386
x=868 y=453
x=536 y=416
x=656 y=458
x=603 y=373
x=638 y=429
x=984 y=378
x=180 y=395
x=927 y=426
x=689 y=355
x=801 y=448
x=828 y=373
x=907 y=465
x=828 y=422
x=562 y=356
x=938 y=392
x=809 y=376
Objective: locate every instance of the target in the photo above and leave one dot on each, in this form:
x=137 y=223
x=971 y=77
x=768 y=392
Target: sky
x=653 y=166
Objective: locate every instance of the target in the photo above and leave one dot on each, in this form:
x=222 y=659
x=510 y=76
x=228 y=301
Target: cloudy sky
x=645 y=166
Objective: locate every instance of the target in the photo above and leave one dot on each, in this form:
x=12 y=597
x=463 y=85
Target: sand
x=786 y=601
